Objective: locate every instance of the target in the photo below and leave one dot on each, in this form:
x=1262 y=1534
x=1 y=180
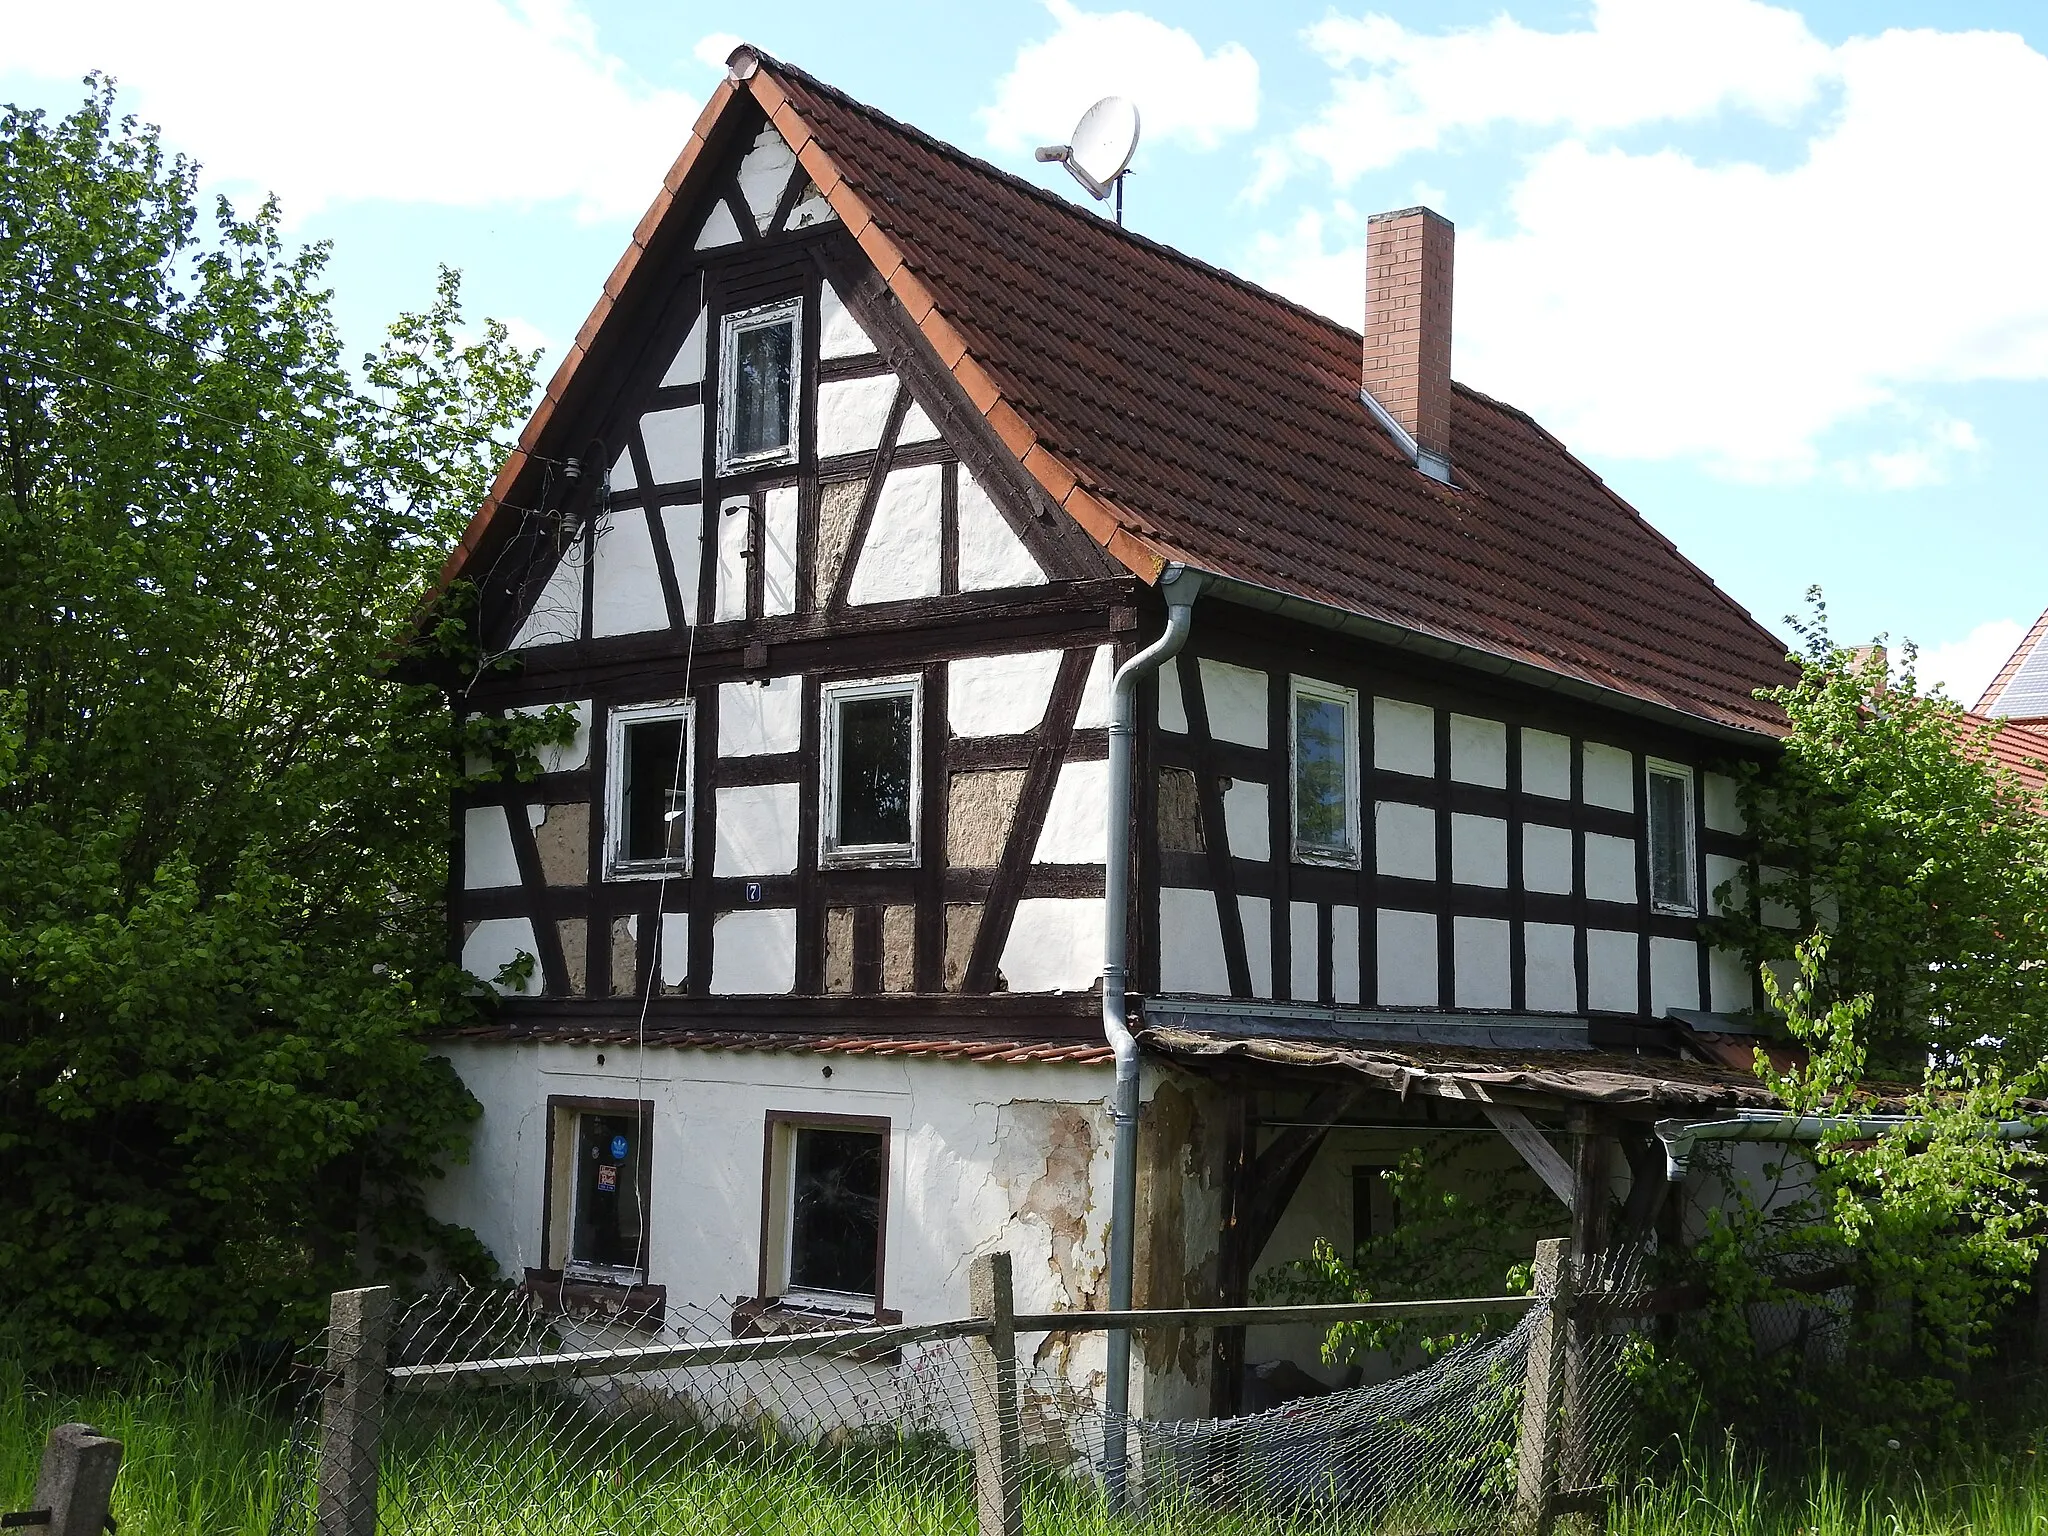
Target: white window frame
x=616 y=865
x=1299 y=688
x=1657 y=767
x=868 y=855
x=783 y=311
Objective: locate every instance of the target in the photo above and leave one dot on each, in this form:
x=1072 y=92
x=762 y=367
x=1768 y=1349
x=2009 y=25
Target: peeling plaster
x=764 y=173
x=675 y=951
x=811 y=208
x=839 y=949
x=625 y=956
x=563 y=838
x=963 y=922
x=980 y=806
x=573 y=935
x=1180 y=812
x=838 y=510
x=899 y=949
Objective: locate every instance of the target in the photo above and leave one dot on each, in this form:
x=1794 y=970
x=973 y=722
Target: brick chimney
x=1408 y=332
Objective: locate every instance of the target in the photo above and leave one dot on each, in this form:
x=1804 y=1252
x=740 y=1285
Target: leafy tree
x=223 y=822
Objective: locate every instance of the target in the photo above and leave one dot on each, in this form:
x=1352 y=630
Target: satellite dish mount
x=1100 y=155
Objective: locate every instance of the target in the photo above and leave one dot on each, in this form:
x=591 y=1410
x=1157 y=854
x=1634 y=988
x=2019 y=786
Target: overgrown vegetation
x=222 y=820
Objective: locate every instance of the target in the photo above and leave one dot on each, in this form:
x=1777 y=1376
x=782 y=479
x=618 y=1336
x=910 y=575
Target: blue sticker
x=619 y=1147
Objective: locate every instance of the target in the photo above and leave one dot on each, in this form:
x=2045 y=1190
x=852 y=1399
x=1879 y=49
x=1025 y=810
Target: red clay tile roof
x=1222 y=425
x=2020 y=749
x=615 y=1032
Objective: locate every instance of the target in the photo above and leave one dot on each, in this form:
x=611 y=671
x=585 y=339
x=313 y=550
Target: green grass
x=206 y=1452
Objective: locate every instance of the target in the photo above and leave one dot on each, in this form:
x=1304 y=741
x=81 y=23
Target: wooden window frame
x=616 y=865
x=558 y=1194
x=1299 y=688
x=778 y=1172
x=781 y=311
x=1653 y=768
x=868 y=855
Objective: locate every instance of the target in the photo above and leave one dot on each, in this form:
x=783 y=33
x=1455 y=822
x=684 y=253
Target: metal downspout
x=1179 y=586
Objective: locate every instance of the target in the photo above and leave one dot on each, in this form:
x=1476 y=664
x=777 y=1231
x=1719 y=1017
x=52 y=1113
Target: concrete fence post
x=992 y=1388
x=1543 y=1388
x=75 y=1488
x=352 y=1411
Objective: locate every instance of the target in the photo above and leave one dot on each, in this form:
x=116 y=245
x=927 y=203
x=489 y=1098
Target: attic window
x=1671 y=839
x=871 y=774
x=1325 y=752
x=760 y=375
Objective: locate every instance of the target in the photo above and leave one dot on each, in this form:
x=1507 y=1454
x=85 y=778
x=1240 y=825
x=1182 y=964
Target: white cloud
x=1966 y=667
x=1648 y=305
x=464 y=103
x=714 y=48
x=1183 y=95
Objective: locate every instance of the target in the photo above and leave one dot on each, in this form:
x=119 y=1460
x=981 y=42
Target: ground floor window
x=1374 y=1210
x=826 y=1211
x=598 y=1206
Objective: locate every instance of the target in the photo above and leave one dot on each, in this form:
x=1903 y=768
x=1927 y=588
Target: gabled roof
x=2020 y=691
x=1177 y=412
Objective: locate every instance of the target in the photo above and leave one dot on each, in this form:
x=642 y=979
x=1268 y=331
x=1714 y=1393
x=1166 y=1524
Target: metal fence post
x=1543 y=1388
x=75 y=1486
x=352 y=1411
x=992 y=1387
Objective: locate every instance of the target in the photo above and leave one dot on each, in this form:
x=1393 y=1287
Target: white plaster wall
x=812 y=210
x=1255 y=916
x=991 y=554
x=1610 y=971
x=575 y=753
x=755 y=719
x=1094 y=710
x=1728 y=979
x=1344 y=954
x=756 y=830
x=495 y=943
x=625 y=585
x=1722 y=870
x=1404 y=840
x=852 y=413
x=1610 y=867
x=1407 y=955
x=1674 y=975
x=1547 y=858
x=687 y=366
x=778 y=553
x=1479 y=850
x=488 y=862
x=1404 y=737
x=1479 y=751
x=1610 y=777
x=684 y=526
x=917 y=427
x=1191 y=943
x=1245 y=820
x=1173 y=712
x=839 y=334
x=1723 y=806
x=1550 y=974
x=753 y=950
x=729 y=599
x=1054 y=944
x=1000 y=695
x=900 y=557
x=623 y=477
x=1546 y=764
x=1304 y=952
x=674 y=440
x=1483 y=970
x=556 y=616
x=675 y=948
x=1236 y=697
x=1076 y=829
x=764 y=174
x=719 y=228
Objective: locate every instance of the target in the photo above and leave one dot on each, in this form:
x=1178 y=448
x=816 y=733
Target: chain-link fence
x=499 y=1411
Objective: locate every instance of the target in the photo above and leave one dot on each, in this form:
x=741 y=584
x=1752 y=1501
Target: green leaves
x=223 y=822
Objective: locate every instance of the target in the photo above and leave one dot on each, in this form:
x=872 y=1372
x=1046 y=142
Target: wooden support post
x=992 y=1390
x=75 y=1489
x=1543 y=1388
x=1592 y=1157
x=352 y=1411
x=1226 y=1345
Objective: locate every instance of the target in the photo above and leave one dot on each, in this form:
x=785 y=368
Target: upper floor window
x=760 y=372
x=869 y=814
x=1671 y=839
x=648 y=769
x=1325 y=772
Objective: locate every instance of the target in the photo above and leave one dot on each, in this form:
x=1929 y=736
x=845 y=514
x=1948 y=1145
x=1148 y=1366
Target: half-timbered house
x=866 y=475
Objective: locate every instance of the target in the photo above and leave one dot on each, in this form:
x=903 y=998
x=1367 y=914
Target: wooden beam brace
x=1537 y=1152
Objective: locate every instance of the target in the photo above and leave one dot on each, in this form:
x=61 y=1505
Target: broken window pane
x=874 y=771
x=608 y=1192
x=656 y=791
x=763 y=379
x=1671 y=841
x=1322 y=799
x=835 y=1219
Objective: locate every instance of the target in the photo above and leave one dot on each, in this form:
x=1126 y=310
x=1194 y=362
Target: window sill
x=769 y=1317
x=627 y=1306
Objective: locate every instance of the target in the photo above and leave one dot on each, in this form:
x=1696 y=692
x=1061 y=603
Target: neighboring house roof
x=2019 y=748
x=1178 y=412
x=2020 y=691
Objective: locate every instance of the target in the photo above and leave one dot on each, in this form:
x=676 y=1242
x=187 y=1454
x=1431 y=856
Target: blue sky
x=1775 y=272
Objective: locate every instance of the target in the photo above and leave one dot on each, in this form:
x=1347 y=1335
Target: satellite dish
x=1099 y=157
